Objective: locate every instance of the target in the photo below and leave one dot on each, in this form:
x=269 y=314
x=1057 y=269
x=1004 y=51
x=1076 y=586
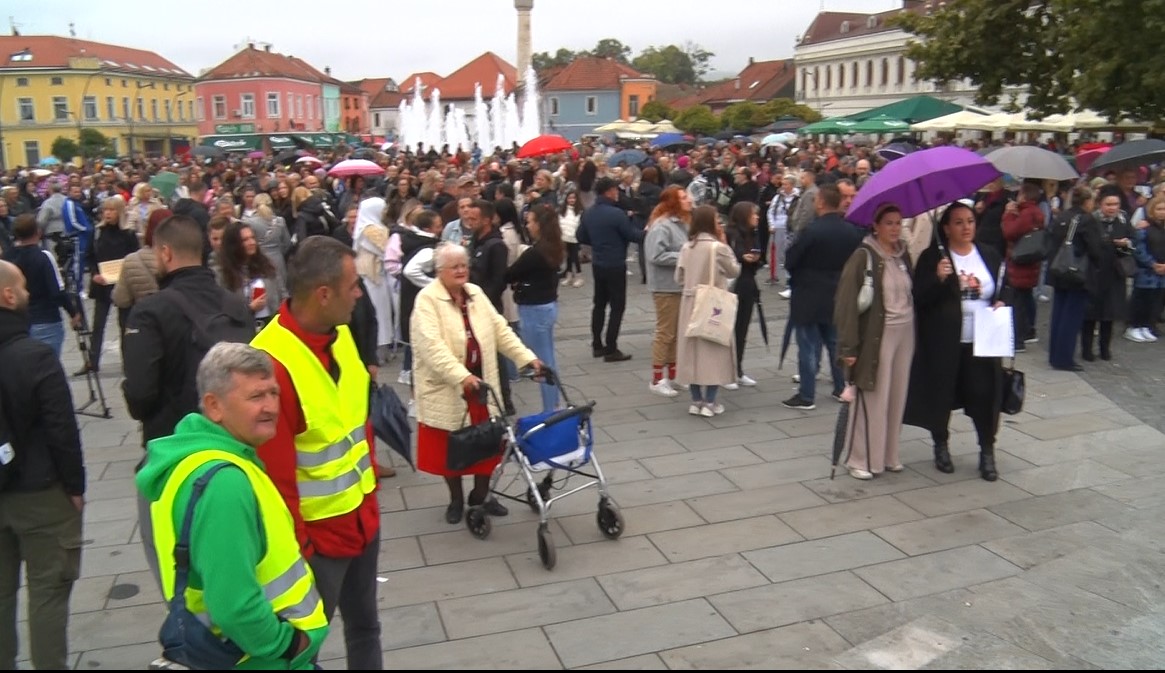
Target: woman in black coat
x=1071 y=299
x=954 y=278
x=742 y=237
x=1109 y=299
x=110 y=243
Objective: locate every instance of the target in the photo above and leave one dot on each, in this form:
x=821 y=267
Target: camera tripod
x=84 y=338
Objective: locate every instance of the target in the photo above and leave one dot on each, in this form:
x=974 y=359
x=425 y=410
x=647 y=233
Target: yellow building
x=54 y=86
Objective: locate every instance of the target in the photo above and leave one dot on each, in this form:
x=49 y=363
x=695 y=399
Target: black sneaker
x=796 y=402
x=616 y=356
x=598 y=351
x=454 y=511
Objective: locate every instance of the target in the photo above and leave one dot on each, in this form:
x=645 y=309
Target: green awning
x=837 y=125
x=279 y=142
x=881 y=124
x=305 y=139
x=234 y=143
x=323 y=140
x=352 y=140
x=911 y=110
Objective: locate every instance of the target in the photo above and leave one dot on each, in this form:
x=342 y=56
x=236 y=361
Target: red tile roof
x=592 y=74
x=52 y=51
x=759 y=82
x=387 y=99
x=482 y=70
x=252 y=62
x=428 y=79
x=828 y=26
x=372 y=85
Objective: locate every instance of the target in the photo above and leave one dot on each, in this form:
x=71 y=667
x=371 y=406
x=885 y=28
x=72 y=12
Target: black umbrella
x=390 y=421
x=839 y=431
x=785 y=343
x=1132 y=154
x=760 y=318
x=209 y=151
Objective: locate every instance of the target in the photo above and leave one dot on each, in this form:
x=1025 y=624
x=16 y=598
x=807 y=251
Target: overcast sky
x=392 y=38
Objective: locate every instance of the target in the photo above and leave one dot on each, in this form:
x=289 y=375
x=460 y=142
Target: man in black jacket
x=487 y=267
x=42 y=484
x=194 y=208
x=608 y=230
x=816 y=259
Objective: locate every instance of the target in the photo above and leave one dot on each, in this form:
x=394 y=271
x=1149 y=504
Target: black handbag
x=1033 y=247
x=1069 y=269
x=1014 y=390
x=1126 y=266
x=473 y=444
x=185 y=639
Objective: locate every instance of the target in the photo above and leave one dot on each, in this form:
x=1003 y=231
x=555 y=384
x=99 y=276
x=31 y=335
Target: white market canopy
x=1003 y=121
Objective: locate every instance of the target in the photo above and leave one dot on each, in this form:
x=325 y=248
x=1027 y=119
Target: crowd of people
x=459 y=261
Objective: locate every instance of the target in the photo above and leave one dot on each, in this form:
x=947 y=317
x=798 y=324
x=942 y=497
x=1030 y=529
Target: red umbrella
x=1089 y=153
x=354 y=167
x=547 y=144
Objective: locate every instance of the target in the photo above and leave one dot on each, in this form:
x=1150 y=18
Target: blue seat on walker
x=562 y=444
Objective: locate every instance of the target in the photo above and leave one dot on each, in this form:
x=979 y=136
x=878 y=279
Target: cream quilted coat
x=438 y=341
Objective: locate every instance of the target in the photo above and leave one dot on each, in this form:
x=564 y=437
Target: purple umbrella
x=922 y=180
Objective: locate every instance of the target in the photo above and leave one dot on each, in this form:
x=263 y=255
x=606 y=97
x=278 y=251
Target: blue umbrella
x=670 y=140
x=706 y=141
x=50 y=161
x=627 y=158
x=895 y=151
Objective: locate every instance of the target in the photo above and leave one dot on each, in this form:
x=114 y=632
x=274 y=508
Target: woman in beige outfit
x=137 y=213
x=877 y=346
x=702 y=365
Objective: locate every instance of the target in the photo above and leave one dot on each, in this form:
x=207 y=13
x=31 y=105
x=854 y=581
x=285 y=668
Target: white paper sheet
x=994 y=335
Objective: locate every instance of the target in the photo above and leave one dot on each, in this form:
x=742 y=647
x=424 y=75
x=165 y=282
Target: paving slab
x=514 y=650
x=636 y=632
x=1028 y=550
x=725 y=537
x=844 y=488
x=680 y=581
x=587 y=560
x=644 y=662
x=795 y=601
x=780 y=472
x=705 y=460
x=847 y=517
x=1057 y=509
x=961 y=496
x=822 y=556
x=452 y=580
x=1063 y=477
x=523 y=608
x=946 y=532
x=808 y=645
x=937 y=572
x=743 y=504
x=582 y=528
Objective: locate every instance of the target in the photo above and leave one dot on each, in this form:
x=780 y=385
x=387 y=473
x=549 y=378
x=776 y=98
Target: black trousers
x=610 y=289
x=979 y=392
x=746 y=293
x=572 y=262
x=100 y=317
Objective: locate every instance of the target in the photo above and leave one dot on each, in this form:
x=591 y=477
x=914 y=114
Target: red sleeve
x=278 y=453
x=1013 y=227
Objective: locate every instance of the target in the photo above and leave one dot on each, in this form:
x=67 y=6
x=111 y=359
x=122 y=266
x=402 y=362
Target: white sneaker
x=577 y=282
x=860 y=474
x=412 y=408
x=746 y=381
x=796 y=378
x=696 y=409
x=785 y=293
x=1134 y=334
x=663 y=389
x=716 y=408
x=706 y=411
x=674 y=386
x=1147 y=335
x=405 y=378
x=565 y=281
x=731 y=386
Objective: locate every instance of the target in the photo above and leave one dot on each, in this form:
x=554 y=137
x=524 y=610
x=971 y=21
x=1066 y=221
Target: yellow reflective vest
x=287 y=581
x=332 y=456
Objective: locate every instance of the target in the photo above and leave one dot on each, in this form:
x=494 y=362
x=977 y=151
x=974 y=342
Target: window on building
x=190 y=109
x=110 y=108
x=869 y=73
x=853 y=74
x=841 y=76
x=89 y=107
x=165 y=86
x=124 y=83
x=592 y=105
x=21 y=81
x=554 y=106
x=108 y=81
x=170 y=111
x=901 y=70
x=57 y=81
x=60 y=109
x=220 y=107
x=31 y=153
x=200 y=114
x=885 y=71
x=311 y=110
x=633 y=106
x=828 y=78
x=299 y=107
x=320 y=108
x=27 y=112
x=154 y=109
x=347 y=103
x=290 y=105
x=125 y=108
x=247 y=103
x=141 y=108
x=272 y=105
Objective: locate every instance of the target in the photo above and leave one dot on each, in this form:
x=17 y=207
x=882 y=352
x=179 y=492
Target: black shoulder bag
x=476 y=443
x=1069 y=269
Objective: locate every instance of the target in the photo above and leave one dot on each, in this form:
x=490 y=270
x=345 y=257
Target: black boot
x=1087 y=334
x=987 y=464
x=1105 y=340
x=942 y=458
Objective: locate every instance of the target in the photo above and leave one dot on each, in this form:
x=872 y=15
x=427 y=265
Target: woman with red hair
x=667 y=232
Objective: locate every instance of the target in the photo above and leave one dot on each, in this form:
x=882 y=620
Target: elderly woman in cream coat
x=702 y=365
x=455 y=332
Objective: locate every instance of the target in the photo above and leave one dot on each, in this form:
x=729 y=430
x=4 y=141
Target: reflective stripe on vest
x=287 y=581
x=332 y=455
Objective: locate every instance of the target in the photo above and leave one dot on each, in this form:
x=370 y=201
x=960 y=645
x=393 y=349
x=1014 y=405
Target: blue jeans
x=509 y=370
x=810 y=339
x=538 y=333
x=51 y=333
x=707 y=396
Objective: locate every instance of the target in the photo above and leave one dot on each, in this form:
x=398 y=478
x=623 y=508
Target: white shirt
x=976 y=288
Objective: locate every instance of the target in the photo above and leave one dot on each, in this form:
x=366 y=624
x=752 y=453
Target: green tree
x=655 y=111
x=65 y=148
x=611 y=48
x=543 y=61
x=745 y=116
x=673 y=64
x=93 y=144
x=697 y=119
x=787 y=107
x=1063 y=51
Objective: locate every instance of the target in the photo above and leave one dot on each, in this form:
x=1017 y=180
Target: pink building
x=260 y=99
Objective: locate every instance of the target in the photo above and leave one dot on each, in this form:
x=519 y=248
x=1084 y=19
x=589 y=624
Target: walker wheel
x=477 y=521
x=610 y=520
x=544 y=490
x=546 y=551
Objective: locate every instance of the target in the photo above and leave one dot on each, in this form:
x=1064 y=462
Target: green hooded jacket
x=226 y=543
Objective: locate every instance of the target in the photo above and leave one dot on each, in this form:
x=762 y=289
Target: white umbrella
x=949 y=123
x=612 y=127
x=665 y=126
x=1026 y=161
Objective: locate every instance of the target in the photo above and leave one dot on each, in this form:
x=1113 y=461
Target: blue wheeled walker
x=559 y=444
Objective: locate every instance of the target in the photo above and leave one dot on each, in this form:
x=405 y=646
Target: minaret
x=525 y=46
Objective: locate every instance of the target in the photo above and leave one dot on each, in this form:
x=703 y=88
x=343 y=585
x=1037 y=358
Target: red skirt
x=433 y=442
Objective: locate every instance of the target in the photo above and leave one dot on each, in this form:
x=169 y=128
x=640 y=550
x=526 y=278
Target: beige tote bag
x=714 y=311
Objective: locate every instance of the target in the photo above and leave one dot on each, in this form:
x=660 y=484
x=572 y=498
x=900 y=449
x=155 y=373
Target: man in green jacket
x=245 y=566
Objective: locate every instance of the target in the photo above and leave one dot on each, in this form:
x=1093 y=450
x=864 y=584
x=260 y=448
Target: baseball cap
x=466 y=180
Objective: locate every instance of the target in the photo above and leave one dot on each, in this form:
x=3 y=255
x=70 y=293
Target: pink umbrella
x=257 y=154
x=308 y=160
x=353 y=167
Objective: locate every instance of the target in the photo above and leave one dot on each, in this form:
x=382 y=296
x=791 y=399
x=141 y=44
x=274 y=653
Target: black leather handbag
x=1068 y=269
x=473 y=444
x=1014 y=390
